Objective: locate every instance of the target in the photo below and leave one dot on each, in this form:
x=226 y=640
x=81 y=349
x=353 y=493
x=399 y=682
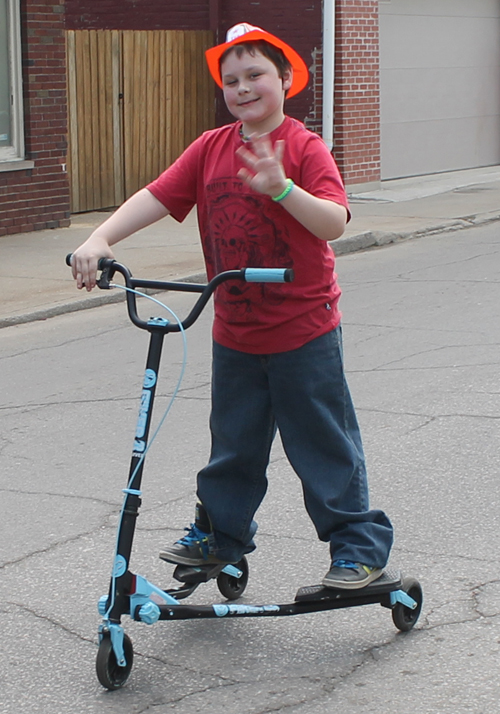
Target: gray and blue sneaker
x=195 y=548
x=347 y=575
x=191 y=549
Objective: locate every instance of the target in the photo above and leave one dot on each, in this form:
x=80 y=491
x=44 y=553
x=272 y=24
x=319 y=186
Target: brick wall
x=137 y=15
x=357 y=102
x=39 y=198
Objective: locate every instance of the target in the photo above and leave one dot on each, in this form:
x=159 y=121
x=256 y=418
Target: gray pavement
x=36 y=284
x=421 y=343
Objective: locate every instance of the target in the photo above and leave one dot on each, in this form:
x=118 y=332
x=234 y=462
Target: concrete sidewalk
x=36 y=284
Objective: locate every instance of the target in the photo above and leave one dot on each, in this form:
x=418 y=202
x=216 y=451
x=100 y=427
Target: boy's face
x=253 y=90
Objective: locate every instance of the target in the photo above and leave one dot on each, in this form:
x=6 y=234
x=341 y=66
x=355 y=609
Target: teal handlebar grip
x=268 y=275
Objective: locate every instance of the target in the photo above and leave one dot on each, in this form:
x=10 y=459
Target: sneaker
x=192 y=549
x=346 y=575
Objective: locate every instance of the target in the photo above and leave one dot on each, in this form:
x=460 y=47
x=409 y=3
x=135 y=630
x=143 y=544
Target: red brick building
x=34 y=191
x=34 y=184
x=416 y=89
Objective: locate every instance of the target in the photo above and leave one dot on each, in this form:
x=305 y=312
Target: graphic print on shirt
x=242 y=232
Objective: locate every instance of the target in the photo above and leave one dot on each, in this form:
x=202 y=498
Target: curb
x=376 y=239
x=103 y=298
x=62 y=309
x=341 y=246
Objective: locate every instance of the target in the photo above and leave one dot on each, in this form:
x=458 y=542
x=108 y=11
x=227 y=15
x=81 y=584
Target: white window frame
x=11 y=157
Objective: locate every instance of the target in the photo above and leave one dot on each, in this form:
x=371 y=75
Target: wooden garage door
x=136 y=100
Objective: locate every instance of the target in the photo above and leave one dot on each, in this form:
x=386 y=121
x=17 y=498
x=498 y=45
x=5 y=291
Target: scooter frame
x=132 y=594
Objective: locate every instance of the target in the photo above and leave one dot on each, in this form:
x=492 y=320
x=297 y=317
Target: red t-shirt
x=241 y=228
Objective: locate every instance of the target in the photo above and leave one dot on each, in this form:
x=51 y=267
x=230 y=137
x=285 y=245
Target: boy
x=268 y=194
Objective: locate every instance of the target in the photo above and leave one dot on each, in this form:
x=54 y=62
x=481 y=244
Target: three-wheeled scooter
x=132 y=594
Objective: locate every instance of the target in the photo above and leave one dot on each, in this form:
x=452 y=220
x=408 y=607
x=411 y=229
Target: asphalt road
x=422 y=335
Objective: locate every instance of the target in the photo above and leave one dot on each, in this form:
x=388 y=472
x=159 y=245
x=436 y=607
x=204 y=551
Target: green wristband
x=289 y=185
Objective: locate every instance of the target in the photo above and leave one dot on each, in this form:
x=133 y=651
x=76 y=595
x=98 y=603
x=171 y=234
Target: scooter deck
x=314 y=598
x=389 y=581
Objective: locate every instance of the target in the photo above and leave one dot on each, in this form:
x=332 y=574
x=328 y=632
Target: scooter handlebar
x=109 y=267
x=251 y=275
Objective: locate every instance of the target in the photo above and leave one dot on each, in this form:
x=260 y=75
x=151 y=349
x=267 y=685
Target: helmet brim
x=300 y=75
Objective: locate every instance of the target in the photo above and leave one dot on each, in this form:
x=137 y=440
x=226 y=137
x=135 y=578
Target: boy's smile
x=253 y=91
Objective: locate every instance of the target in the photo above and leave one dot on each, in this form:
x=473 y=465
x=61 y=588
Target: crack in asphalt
x=443 y=555
x=58 y=345
x=28 y=407
x=72 y=496
x=33 y=406
x=50 y=620
x=5 y=443
x=347 y=324
x=326 y=684
x=229 y=684
x=449 y=263
x=94 y=640
x=436 y=368
x=53 y=546
x=477 y=591
x=431 y=418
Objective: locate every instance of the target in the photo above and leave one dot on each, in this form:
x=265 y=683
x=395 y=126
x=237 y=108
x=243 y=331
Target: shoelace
x=344 y=564
x=196 y=537
x=193 y=534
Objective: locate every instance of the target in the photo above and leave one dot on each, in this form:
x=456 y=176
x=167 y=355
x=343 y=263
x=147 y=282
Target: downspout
x=328 y=70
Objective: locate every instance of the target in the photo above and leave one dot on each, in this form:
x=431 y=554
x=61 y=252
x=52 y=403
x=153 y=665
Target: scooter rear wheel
x=404 y=617
x=232 y=588
x=108 y=671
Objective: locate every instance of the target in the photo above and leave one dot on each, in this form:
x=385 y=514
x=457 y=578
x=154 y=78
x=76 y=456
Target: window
x=11 y=111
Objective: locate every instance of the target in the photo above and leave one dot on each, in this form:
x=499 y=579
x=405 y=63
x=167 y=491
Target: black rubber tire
x=404 y=617
x=109 y=674
x=233 y=588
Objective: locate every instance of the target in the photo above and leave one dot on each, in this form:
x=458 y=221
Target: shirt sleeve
x=319 y=174
x=177 y=186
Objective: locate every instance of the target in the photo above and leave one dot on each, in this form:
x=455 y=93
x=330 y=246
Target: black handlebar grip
x=102 y=264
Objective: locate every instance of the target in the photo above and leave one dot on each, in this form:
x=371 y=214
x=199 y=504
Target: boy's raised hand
x=264 y=170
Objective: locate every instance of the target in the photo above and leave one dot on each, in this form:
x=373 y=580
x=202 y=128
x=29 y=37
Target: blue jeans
x=303 y=394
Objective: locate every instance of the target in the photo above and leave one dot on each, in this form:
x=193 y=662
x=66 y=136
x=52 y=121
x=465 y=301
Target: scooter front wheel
x=232 y=588
x=108 y=671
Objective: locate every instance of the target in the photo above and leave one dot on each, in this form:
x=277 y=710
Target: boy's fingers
x=279 y=150
x=263 y=147
x=76 y=269
x=84 y=274
x=246 y=155
x=263 y=160
x=245 y=175
x=91 y=273
x=83 y=278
